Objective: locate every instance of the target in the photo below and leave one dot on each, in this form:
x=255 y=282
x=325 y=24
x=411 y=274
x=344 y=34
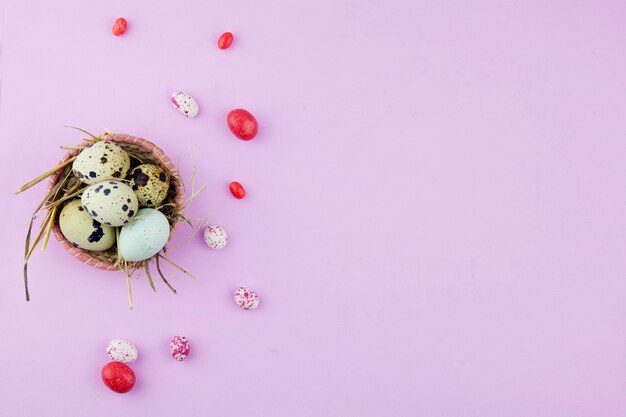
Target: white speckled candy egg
x=101 y=161
x=185 y=104
x=121 y=350
x=150 y=183
x=215 y=237
x=112 y=203
x=82 y=230
x=145 y=236
x=246 y=298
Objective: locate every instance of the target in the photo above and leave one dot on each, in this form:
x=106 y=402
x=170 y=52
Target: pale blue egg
x=144 y=236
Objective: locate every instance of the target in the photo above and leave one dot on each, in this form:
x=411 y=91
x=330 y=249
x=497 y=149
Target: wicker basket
x=141 y=151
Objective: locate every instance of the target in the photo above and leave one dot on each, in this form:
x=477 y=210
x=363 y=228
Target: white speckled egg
x=215 y=237
x=145 y=236
x=246 y=298
x=101 y=161
x=121 y=350
x=82 y=230
x=112 y=203
x=185 y=104
x=150 y=183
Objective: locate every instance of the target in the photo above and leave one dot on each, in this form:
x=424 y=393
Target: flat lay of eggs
x=119 y=211
x=119 y=195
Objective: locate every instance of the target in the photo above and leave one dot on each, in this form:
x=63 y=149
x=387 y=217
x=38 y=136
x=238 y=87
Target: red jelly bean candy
x=225 y=40
x=237 y=190
x=243 y=124
x=118 y=377
x=119 y=27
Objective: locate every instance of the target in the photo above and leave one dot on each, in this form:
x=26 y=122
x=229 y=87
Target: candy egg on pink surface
x=118 y=376
x=185 y=104
x=121 y=350
x=246 y=298
x=179 y=348
x=215 y=237
x=119 y=27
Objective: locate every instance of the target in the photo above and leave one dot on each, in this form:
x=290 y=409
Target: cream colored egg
x=112 y=203
x=150 y=183
x=82 y=230
x=101 y=161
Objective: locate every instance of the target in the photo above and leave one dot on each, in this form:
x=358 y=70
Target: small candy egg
x=185 y=104
x=118 y=377
x=246 y=298
x=242 y=123
x=121 y=351
x=150 y=183
x=145 y=236
x=112 y=203
x=225 y=40
x=237 y=190
x=215 y=237
x=101 y=161
x=119 y=27
x=179 y=348
x=82 y=230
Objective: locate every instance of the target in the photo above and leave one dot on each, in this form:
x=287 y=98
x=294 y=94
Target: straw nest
x=63 y=187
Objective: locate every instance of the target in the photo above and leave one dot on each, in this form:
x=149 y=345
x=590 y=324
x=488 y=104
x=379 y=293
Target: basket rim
x=162 y=160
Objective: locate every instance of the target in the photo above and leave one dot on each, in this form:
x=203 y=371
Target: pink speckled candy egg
x=121 y=350
x=246 y=298
x=215 y=237
x=185 y=104
x=179 y=348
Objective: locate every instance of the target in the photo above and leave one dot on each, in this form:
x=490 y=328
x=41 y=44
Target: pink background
x=434 y=219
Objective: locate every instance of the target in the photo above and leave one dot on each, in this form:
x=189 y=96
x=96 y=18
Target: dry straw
x=63 y=187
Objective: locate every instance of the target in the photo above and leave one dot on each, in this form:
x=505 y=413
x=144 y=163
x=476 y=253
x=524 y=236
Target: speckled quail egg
x=112 y=203
x=150 y=183
x=82 y=230
x=101 y=161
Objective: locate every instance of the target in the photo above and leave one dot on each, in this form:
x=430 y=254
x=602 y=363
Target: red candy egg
x=225 y=40
x=243 y=124
x=237 y=190
x=118 y=377
x=119 y=27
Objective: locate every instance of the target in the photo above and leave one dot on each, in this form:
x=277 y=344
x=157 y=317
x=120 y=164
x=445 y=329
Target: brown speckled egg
x=101 y=161
x=150 y=183
x=82 y=230
x=112 y=203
